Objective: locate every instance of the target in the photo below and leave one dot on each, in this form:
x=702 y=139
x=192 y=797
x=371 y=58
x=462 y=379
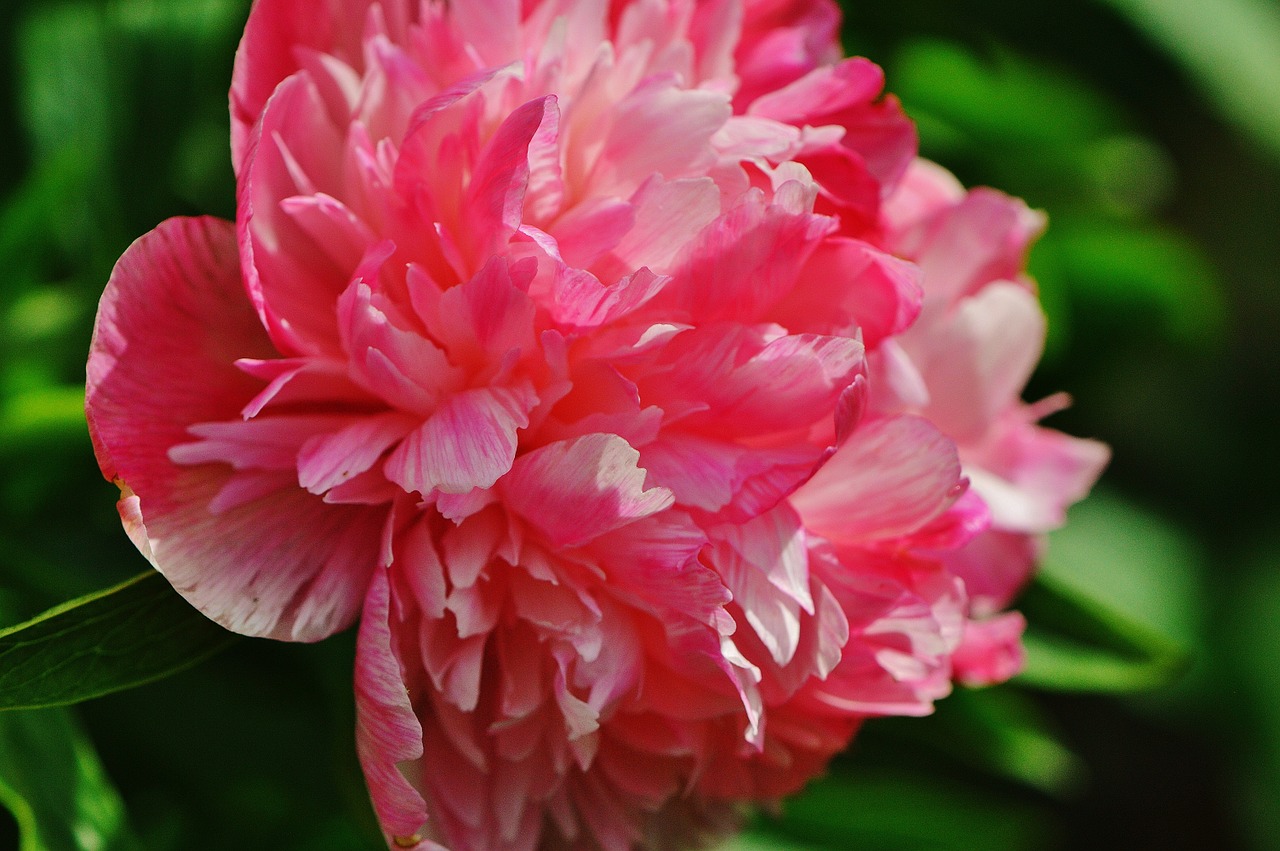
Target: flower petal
x=888 y=479
x=387 y=729
x=283 y=564
x=576 y=490
x=469 y=442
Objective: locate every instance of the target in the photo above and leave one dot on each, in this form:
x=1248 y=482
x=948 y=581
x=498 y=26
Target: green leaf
x=1077 y=643
x=887 y=812
x=129 y=635
x=41 y=417
x=1136 y=561
x=66 y=94
x=1229 y=47
x=1116 y=604
x=1005 y=100
x=1000 y=731
x=1131 y=271
x=52 y=782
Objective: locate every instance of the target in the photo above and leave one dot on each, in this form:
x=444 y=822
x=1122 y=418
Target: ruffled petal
x=470 y=442
x=575 y=490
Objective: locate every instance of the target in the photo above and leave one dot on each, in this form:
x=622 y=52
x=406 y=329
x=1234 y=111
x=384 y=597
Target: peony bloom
x=621 y=370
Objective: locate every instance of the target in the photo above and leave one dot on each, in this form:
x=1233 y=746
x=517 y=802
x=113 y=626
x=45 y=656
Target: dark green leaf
x=52 y=782
x=1141 y=270
x=1000 y=731
x=888 y=812
x=134 y=633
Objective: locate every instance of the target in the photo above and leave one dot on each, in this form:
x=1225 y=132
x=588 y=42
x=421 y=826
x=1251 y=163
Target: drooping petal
x=388 y=732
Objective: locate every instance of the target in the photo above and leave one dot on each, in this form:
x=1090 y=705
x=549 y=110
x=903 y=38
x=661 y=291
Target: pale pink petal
x=983 y=238
x=576 y=490
x=1030 y=475
x=666 y=215
x=491 y=28
x=469 y=442
x=890 y=477
x=326 y=461
x=592 y=228
x=765 y=565
x=686 y=119
x=977 y=359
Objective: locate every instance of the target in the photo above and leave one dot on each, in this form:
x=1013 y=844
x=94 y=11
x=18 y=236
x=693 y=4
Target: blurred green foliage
x=1148 y=129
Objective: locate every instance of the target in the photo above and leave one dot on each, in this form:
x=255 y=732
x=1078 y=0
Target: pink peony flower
x=618 y=366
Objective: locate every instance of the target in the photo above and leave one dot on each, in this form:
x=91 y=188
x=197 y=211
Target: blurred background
x=1149 y=130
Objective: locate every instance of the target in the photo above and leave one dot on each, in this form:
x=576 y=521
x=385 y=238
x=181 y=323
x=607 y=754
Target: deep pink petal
x=277 y=32
x=494 y=204
x=992 y=650
x=742 y=380
x=845 y=95
x=292 y=282
x=283 y=564
x=745 y=262
x=849 y=286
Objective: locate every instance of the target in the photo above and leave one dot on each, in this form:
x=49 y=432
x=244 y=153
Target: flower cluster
x=620 y=368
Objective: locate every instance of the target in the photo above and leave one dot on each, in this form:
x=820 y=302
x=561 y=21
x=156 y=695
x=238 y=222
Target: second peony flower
x=620 y=368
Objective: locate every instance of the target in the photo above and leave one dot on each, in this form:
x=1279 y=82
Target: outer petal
x=977 y=359
x=283 y=565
